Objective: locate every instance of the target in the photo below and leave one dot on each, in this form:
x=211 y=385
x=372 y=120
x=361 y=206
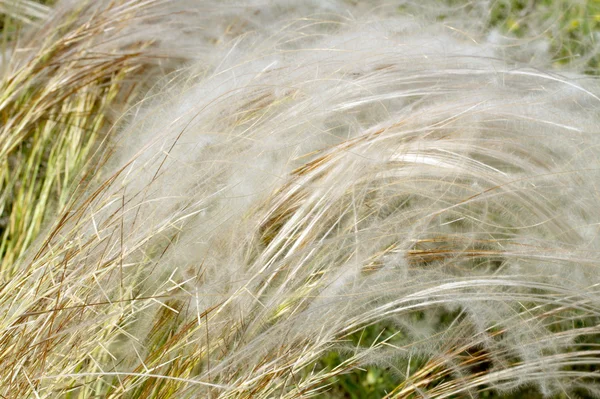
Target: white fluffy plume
x=326 y=168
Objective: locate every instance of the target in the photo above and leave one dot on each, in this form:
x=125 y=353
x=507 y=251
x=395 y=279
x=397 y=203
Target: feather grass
x=396 y=190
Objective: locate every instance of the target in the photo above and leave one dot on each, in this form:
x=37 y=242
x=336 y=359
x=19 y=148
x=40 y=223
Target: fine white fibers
x=318 y=175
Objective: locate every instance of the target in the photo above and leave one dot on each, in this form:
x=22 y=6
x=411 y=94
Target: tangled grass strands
x=58 y=94
x=327 y=194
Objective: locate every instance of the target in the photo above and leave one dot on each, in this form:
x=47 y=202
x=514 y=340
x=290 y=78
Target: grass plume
x=400 y=189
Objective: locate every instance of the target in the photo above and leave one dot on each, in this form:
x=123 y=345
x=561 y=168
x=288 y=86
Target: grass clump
x=60 y=93
x=331 y=200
